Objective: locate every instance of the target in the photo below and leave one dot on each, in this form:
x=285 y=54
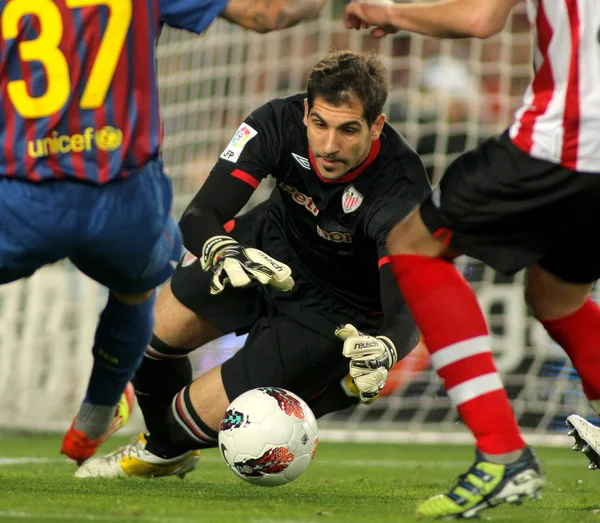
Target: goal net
x=447 y=96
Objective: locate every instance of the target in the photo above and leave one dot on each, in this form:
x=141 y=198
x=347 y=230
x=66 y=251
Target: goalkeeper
x=305 y=274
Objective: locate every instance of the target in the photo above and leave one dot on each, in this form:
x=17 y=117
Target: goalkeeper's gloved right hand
x=232 y=263
x=371 y=357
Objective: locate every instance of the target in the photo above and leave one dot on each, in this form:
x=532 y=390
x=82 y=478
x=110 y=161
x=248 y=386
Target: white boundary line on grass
x=360 y=435
x=383 y=463
x=26 y=459
x=398 y=436
x=13 y=515
x=22 y=514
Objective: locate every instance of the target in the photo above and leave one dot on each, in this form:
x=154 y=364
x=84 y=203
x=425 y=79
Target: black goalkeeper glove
x=237 y=265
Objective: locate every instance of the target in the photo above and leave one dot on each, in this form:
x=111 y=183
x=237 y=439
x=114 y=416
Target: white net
x=447 y=96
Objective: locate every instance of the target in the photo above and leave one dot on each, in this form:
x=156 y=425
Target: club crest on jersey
x=351 y=199
x=242 y=136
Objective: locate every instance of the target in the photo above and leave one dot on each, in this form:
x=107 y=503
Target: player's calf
x=164 y=371
x=186 y=427
x=122 y=335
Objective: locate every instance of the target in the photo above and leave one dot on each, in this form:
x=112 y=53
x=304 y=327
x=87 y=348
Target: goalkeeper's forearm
x=197 y=226
x=218 y=200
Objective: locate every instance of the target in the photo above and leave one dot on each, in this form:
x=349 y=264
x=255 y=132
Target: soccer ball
x=268 y=436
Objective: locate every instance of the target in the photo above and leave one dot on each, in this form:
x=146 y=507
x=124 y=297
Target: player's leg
x=41 y=224
x=187 y=317
x=572 y=319
x=197 y=410
x=558 y=292
x=279 y=352
x=166 y=366
x=192 y=418
x=166 y=370
x=456 y=335
x=282 y=354
x=102 y=414
x=129 y=242
x=33 y=231
x=122 y=334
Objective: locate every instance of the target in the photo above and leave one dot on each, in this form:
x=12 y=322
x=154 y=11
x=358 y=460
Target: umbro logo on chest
x=302 y=161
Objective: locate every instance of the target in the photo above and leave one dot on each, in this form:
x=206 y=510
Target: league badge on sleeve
x=242 y=136
x=351 y=199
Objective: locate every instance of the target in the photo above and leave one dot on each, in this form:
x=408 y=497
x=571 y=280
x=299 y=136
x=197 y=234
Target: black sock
x=185 y=425
x=163 y=373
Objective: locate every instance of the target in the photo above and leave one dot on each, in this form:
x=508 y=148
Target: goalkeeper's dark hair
x=342 y=75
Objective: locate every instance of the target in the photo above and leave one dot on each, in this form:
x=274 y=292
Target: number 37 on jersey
x=46 y=36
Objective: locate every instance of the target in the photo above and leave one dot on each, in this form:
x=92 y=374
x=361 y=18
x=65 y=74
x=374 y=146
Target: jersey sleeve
x=255 y=148
x=250 y=156
x=192 y=15
x=407 y=191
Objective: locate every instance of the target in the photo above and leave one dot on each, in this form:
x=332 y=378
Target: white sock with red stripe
x=455 y=333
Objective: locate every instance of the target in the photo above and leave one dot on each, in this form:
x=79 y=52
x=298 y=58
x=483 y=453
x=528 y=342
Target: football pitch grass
x=350 y=483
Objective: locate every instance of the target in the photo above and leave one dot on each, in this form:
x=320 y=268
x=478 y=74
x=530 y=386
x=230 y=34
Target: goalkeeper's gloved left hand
x=238 y=265
x=371 y=357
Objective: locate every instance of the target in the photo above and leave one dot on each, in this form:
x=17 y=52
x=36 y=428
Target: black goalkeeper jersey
x=335 y=229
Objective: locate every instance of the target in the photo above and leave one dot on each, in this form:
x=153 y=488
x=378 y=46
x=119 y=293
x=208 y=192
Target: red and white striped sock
x=187 y=429
x=579 y=335
x=454 y=329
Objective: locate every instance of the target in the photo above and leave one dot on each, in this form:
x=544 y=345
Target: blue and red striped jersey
x=78 y=87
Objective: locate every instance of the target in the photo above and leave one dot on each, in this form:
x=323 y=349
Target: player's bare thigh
x=411 y=236
x=178 y=326
x=550 y=297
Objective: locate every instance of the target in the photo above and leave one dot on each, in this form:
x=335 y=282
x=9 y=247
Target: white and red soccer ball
x=268 y=436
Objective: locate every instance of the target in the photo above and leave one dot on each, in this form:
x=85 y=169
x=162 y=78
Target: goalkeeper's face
x=339 y=136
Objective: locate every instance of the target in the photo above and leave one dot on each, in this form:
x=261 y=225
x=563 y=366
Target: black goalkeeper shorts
x=299 y=353
x=510 y=210
x=280 y=352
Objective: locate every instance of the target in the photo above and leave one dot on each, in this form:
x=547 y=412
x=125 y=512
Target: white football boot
x=587 y=439
x=133 y=460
